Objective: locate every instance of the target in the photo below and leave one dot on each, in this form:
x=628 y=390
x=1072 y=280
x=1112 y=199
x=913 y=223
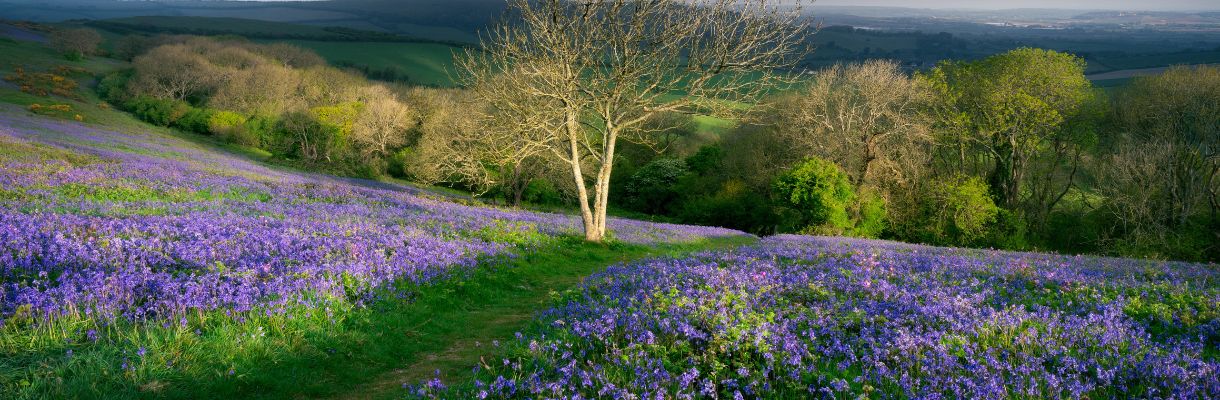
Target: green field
x=425 y=63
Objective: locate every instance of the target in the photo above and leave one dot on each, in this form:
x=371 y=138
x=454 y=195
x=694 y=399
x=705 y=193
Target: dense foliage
x=1015 y=151
x=814 y=317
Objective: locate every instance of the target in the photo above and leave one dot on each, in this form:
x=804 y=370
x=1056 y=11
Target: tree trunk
x=592 y=233
x=1004 y=178
x=603 y=180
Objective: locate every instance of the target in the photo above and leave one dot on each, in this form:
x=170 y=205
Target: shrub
x=732 y=206
x=820 y=192
x=871 y=215
x=708 y=160
x=113 y=87
x=956 y=211
x=58 y=82
x=157 y=111
x=653 y=188
x=55 y=110
x=195 y=120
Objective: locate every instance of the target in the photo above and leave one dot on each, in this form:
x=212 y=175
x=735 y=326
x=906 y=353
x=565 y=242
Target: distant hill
x=441 y=20
x=246 y=27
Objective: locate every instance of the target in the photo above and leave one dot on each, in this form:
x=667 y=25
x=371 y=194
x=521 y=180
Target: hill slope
x=136 y=260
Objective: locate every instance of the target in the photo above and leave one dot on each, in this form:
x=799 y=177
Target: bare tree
x=468 y=142
x=77 y=42
x=1164 y=172
x=868 y=118
x=384 y=123
x=586 y=73
x=262 y=89
x=173 y=72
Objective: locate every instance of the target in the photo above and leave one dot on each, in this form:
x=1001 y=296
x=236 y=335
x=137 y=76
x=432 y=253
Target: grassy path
x=456 y=327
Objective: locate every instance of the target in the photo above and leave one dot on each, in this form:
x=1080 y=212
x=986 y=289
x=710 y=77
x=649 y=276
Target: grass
x=342 y=351
x=235 y=26
x=425 y=63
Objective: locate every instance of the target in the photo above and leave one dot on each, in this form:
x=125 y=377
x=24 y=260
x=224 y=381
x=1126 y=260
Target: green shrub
x=157 y=111
x=871 y=216
x=542 y=191
x=113 y=87
x=195 y=120
x=227 y=125
x=1007 y=231
x=732 y=206
x=397 y=161
x=708 y=160
x=261 y=128
x=956 y=211
x=653 y=188
x=820 y=192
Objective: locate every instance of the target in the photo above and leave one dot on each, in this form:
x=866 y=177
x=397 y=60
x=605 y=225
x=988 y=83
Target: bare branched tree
x=77 y=42
x=383 y=125
x=868 y=118
x=585 y=73
x=173 y=72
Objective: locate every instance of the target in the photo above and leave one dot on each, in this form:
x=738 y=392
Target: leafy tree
x=1011 y=107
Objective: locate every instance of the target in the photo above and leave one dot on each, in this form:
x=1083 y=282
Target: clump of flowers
x=815 y=317
x=139 y=226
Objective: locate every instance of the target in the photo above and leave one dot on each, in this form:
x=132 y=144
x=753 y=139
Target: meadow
x=428 y=64
x=139 y=262
x=823 y=317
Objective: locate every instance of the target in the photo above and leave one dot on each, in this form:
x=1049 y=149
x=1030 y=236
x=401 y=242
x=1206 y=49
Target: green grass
x=340 y=351
x=35 y=57
x=425 y=63
x=195 y=25
x=32 y=55
x=714 y=125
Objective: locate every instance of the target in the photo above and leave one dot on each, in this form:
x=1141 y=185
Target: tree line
x=1014 y=151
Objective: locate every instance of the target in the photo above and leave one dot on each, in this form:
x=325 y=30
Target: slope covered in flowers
x=811 y=317
x=139 y=226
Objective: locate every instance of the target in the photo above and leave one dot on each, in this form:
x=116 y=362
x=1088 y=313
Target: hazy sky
x=1071 y=4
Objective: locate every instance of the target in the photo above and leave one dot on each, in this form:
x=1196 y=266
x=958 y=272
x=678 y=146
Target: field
x=141 y=262
x=138 y=261
x=800 y=317
x=423 y=63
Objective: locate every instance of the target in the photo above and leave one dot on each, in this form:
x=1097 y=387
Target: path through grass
x=452 y=327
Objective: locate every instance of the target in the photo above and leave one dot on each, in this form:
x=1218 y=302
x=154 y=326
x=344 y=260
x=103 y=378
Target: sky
x=1005 y=4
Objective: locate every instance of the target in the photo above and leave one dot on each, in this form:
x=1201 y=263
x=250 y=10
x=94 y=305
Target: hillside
x=190 y=224
x=136 y=258
x=138 y=261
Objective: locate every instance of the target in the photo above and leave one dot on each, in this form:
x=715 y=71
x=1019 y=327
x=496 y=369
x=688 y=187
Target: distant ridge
x=252 y=28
